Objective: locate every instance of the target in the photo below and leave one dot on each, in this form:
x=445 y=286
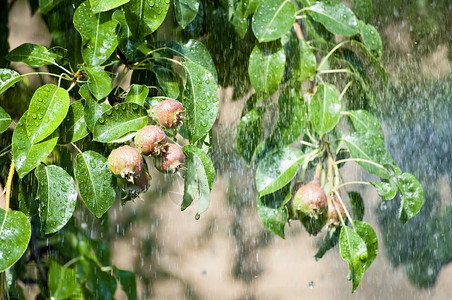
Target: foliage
x=57 y=151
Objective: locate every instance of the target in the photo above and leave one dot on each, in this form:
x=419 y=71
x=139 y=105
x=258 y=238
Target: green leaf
x=200 y=101
x=370 y=147
x=306 y=65
x=371 y=38
x=367 y=233
x=48 y=108
x=363 y=121
x=73 y=127
x=95 y=182
x=104 y=5
x=273 y=212
x=198 y=179
x=357 y=204
x=98 y=34
x=412 y=196
x=272 y=19
x=137 y=94
x=33 y=55
x=363 y=9
x=101 y=284
x=277 y=169
x=186 y=11
x=86 y=93
x=167 y=82
x=251 y=6
x=385 y=189
x=128 y=282
x=195 y=52
x=292 y=119
x=353 y=250
x=145 y=16
x=93 y=111
x=8 y=78
x=5 y=120
x=329 y=241
x=240 y=19
x=62 y=281
x=266 y=67
x=133 y=48
x=27 y=155
x=15 y=233
x=57 y=196
x=249 y=133
x=46 y=6
x=206 y=162
x=118 y=121
x=335 y=16
x=325 y=108
x=99 y=82
x=376 y=63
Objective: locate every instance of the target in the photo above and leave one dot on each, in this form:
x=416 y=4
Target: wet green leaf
x=363 y=121
x=272 y=19
x=367 y=233
x=385 y=189
x=325 y=108
x=5 y=120
x=101 y=284
x=277 y=169
x=133 y=48
x=266 y=67
x=98 y=34
x=73 y=127
x=306 y=65
x=99 y=82
x=62 y=281
x=329 y=241
x=48 y=108
x=353 y=250
x=370 y=147
x=357 y=204
x=335 y=16
x=200 y=101
x=33 y=55
x=206 y=162
x=249 y=133
x=118 y=121
x=93 y=111
x=27 y=155
x=376 y=63
x=8 y=78
x=195 y=52
x=196 y=181
x=273 y=212
x=15 y=233
x=240 y=19
x=292 y=119
x=137 y=94
x=412 y=196
x=95 y=182
x=186 y=11
x=251 y=6
x=371 y=38
x=26 y=190
x=145 y=16
x=104 y=5
x=57 y=195
x=167 y=82
x=363 y=9
x=128 y=282
x=46 y=6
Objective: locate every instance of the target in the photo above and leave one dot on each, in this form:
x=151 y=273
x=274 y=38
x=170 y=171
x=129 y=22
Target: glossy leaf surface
x=15 y=233
x=186 y=11
x=8 y=78
x=99 y=82
x=104 y=5
x=95 y=182
x=412 y=195
x=57 y=197
x=273 y=212
x=74 y=126
x=137 y=94
x=145 y=16
x=325 y=108
x=33 y=55
x=249 y=132
x=335 y=16
x=272 y=19
x=48 y=108
x=5 y=120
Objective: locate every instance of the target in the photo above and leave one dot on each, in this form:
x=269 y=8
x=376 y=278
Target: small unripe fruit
x=172 y=160
x=310 y=205
x=151 y=140
x=333 y=216
x=126 y=162
x=169 y=113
